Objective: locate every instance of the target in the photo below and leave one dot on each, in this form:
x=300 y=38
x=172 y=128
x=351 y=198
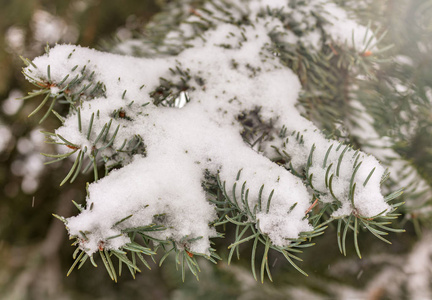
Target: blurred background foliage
x=34 y=252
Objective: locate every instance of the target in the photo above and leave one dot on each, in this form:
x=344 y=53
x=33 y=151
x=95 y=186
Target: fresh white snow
x=204 y=135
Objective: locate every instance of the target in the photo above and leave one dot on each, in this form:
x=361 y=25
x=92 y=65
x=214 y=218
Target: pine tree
x=244 y=118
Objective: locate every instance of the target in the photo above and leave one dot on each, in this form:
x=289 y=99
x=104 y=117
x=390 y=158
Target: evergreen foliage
x=336 y=62
x=356 y=91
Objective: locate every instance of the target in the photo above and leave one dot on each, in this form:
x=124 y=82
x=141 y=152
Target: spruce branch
x=204 y=139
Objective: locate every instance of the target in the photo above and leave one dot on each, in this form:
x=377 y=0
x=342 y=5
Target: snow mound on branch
x=230 y=71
